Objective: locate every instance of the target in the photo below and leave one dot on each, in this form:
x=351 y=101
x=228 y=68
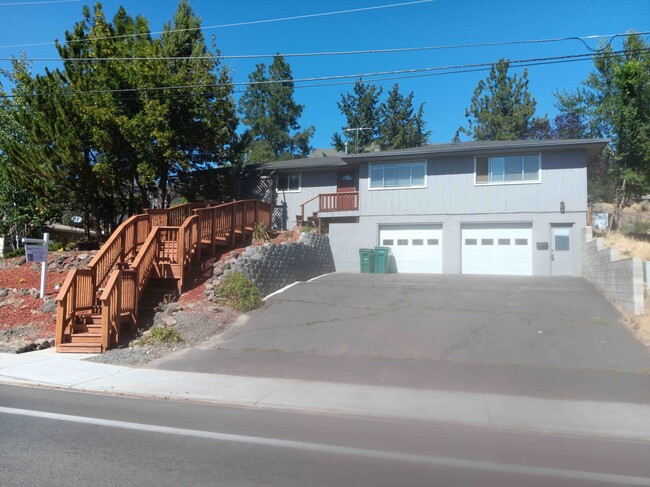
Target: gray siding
x=451 y=190
x=347 y=238
x=451 y=198
x=312 y=183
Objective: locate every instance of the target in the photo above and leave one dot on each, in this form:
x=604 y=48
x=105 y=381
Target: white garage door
x=416 y=248
x=504 y=249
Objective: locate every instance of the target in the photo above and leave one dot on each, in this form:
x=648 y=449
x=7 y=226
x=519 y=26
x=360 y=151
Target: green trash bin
x=365 y=256
x=382 y=260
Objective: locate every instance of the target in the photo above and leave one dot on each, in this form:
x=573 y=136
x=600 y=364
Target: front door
x=562 y=250
x=345 y=183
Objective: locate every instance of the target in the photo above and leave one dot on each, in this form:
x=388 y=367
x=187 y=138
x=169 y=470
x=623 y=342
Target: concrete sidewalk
x=590 y=418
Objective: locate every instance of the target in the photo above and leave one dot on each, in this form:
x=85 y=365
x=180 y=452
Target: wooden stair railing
x=89 y=322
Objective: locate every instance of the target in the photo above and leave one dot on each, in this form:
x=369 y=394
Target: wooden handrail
x=330 y=202
x=348 y=201
x=302 y=207
x=119 y=299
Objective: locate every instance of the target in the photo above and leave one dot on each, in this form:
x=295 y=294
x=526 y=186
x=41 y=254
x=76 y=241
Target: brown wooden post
x=243 y=222
x=198 y=234
x=122 y=248
x=213 y=230
x=233 y=224
x=257 y=213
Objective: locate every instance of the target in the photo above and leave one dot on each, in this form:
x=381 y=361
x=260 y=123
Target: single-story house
x=493 y=207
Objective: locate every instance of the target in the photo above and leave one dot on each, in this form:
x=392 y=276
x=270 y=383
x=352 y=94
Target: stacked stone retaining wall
x=274 y=266
x=620 y=280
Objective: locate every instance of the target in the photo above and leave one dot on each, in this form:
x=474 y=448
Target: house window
x=398 y=175
x=508 y=169
x=288 y=182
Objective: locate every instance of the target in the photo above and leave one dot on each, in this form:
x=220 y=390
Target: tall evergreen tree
x=362 y=115
x=269 y=110
x=400 y=126
x=502 y=108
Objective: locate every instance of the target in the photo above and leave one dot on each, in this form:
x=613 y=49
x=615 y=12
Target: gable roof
x=592 y=146
x=305 y=163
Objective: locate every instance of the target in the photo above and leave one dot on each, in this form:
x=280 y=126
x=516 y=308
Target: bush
x=161 y=335
x=13 y=253
x=239 y=292
x=180 y=200
x=55 y=246
x=260 y=232
x=636 y=225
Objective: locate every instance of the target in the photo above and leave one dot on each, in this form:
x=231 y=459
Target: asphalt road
x=544 y=337
x=60 y=438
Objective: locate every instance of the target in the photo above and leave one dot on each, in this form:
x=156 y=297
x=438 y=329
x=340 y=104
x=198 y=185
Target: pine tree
x=400 y=127
x=502 y=108
x=269 y=110
x=362 y=114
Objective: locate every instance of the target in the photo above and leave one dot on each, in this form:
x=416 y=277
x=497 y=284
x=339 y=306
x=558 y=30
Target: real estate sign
x=35 y=253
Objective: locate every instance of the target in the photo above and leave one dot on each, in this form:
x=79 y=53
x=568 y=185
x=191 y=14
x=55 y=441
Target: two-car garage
x=485 y=248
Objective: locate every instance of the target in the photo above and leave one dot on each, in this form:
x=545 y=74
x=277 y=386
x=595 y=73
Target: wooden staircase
x=85 y=335
x=95 y=305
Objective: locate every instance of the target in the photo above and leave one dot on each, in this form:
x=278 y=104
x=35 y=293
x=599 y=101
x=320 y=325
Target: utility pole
x=356 y=130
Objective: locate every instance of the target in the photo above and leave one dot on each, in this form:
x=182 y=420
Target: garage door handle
x=552 y=256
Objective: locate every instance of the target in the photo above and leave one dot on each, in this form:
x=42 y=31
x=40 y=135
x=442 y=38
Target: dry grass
x=627 y=246
x=630 y=247
x=639 y=325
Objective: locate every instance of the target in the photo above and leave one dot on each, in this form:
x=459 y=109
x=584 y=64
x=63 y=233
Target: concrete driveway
x=549 y=336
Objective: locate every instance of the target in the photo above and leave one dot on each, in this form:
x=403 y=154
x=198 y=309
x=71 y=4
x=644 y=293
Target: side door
x=561 y=250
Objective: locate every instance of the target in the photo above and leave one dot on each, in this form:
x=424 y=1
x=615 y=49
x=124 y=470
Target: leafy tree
x=614 y=103
x=400 y=126
x=362 y=114
x=502 y=108
x=271 y=114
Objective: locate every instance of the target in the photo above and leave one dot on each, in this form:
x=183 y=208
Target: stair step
x=86 y=337
x=79 y=348
x=87 y=328
x=89 y=319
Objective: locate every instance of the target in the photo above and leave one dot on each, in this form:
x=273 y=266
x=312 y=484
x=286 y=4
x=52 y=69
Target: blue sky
x=437 y=23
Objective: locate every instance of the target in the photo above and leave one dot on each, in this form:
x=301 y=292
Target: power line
x=15 y=4
x=241 y=24
x=352 y=52
x=159 y=96
x=405 y=72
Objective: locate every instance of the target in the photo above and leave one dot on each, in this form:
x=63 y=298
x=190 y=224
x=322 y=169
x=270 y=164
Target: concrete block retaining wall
x=273 y=266
x=620 y=280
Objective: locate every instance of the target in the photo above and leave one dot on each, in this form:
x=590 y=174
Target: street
x=52 y=437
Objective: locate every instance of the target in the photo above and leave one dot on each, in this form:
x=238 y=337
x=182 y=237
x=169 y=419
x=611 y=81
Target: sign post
x=38 y=253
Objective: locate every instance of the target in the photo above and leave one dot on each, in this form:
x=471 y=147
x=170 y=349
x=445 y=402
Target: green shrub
x=13 y=253
x=180 y=200
x=260 y=232
x=239 y=292
x=55 y=246
x=161 y=335
x=636 y=225
x=308 y=228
